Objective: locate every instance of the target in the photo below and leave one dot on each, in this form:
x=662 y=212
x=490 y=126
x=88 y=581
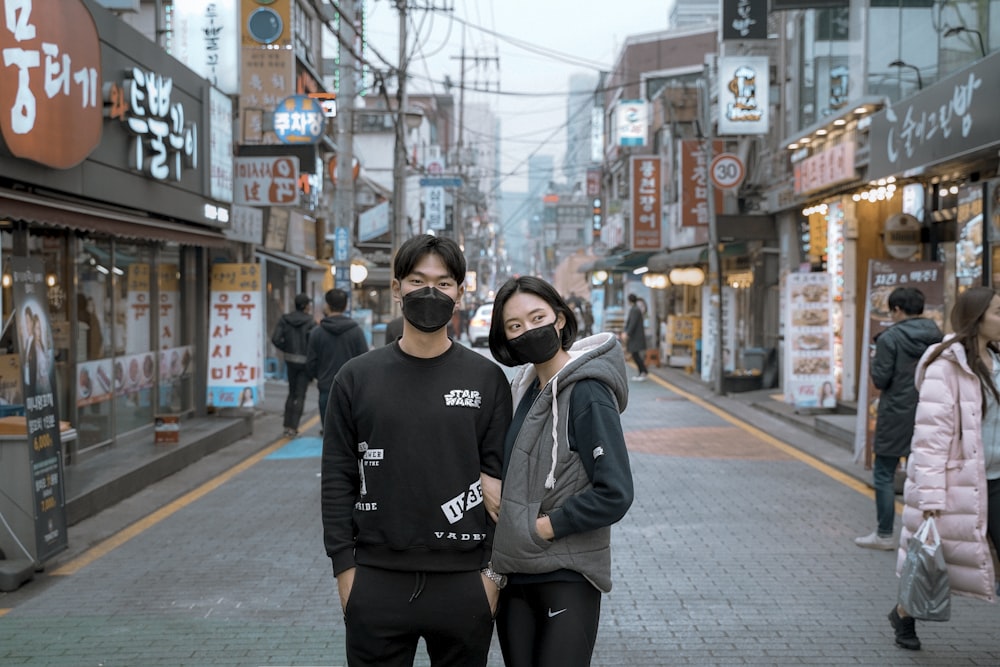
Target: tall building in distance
x=578 y=129
x=694 y=14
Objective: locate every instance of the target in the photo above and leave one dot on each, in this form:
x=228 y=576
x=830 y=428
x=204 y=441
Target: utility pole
x=714 y=260
x=344 y=192
x=399 y=228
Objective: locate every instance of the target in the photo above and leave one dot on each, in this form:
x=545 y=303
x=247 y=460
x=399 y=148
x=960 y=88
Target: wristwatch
x=499 y=579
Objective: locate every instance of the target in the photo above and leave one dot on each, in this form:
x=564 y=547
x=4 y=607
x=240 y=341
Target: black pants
x=298 y=382
x=389 y=611
x=548 y=625
x=640 y=361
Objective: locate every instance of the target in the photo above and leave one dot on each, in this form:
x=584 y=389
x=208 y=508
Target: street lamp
x=900 y=63
x=951 y=32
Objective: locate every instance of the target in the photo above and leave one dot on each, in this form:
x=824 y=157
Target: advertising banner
x=34 y=335
x=969 y=248
x=809 y=359
x=236 y=323
x=267 y=181
x=883 y=277
x=137 y=309
x=647 y=202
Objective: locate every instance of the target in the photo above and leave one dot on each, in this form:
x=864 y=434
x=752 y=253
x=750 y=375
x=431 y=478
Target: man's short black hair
x=302 y=301
x=336 y=300
x=414 y=249
x=910 y=300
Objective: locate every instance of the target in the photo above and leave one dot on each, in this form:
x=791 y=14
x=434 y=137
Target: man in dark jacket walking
x=337 y=339
x=897 y=351
x=291 y=336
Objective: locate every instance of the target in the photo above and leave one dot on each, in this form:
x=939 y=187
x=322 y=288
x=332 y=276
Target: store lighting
x=691 y=275
x=358 y=273
x=51 y=280
x=656 y=280
x=840 y=122
x=7 y=280
x=953 y=189
x=598 y=277
x=639 y=271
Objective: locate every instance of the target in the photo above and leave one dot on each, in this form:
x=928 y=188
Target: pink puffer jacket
x=946 y=471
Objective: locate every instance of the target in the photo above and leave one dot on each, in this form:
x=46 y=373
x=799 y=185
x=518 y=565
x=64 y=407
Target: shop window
x=175 y=358
x=134 y=363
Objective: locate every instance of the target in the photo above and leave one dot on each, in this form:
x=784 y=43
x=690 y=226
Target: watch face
x=264 y=25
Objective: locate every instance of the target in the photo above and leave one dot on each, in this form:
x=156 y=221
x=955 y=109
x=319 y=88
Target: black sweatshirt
x=405 y=441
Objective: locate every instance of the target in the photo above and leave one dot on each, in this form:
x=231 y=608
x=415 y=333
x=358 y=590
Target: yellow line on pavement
x=137 y=528
x=812 y=461
x=3 y=611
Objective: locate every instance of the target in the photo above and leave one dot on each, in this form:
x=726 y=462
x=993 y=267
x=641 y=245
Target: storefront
x=112 y=177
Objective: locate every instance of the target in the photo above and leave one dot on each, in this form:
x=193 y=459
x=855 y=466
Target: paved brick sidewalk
x=736 y=552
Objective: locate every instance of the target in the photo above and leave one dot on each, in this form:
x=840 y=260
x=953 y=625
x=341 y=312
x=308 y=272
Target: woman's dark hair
x=970 y=306
x=544 y=291
x=414 y=250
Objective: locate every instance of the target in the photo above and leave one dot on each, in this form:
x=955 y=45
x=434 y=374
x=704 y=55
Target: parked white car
x=479 y=325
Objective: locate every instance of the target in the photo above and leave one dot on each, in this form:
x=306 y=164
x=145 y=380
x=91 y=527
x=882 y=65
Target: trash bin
x=753 y=359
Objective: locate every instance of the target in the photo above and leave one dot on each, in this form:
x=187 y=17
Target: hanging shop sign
x=901 y=235
x=632 y=122
x=647 y=202
x=165 y=142
x=205 y=36
x=694 y=183
x=744 y=82
x=299 y=119
x=744 y=19
x=946 y=120
x=51 y=81
x=825 y=169
x=267 y=181
x=235 y=340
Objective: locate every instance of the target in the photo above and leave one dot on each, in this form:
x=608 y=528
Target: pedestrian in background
x=411 y=429
x=393 y=330
x=291 y=336
x=337 y=339
x=566 y=477
x=953 y=472
x=634 y=337
x=897 y=350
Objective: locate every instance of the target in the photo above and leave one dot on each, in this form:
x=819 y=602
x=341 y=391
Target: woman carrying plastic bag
x=953 y=473
x=924 y=591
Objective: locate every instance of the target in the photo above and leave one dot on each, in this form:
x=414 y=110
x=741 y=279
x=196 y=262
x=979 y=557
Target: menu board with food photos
x=969 y=246
x=884 y=276
x=809 y=330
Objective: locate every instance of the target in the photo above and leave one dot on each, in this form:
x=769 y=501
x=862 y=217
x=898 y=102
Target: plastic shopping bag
x=924 y=591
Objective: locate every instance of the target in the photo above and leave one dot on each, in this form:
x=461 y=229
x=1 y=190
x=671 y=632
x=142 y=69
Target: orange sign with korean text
x=694 y=182
x=647 y=202
x=50 y=85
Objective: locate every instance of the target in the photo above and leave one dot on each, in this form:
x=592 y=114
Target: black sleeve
x=340 y=480
x=595 y=433
x=278 y=337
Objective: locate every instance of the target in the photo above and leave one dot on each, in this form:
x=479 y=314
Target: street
x=738 y=550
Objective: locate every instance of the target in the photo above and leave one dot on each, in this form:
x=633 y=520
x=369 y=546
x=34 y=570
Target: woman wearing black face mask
x=566 y=477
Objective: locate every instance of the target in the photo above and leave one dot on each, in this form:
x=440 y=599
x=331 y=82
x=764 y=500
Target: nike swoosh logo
x=553 y=614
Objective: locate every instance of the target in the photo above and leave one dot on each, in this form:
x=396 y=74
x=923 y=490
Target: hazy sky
x=539 y=44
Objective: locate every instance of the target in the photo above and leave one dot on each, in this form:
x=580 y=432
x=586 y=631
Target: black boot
x=906 y=630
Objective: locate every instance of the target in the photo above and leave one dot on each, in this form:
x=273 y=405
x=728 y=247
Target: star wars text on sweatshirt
x=463 y=398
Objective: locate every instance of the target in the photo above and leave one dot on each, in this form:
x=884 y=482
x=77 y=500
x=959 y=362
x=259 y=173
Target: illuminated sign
x=299 y=119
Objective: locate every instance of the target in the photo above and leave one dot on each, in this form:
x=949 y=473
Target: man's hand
x=491 y=495
x=345 y=582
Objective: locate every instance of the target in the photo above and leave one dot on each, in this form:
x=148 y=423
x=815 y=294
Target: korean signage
x=299 y=119
x=220 y=146
x=744 y=82
x=884 y=276
x=647 y=202
x=267 y=76
x=694 y=183
x=375 y=222
x=434 y=208
x=137 y=308
x=246 y=225
x=826 y=168
x=38 y=370
x=952 y=117
x=809 y=359
x=632 y=121
x=593 y=182
x=205 y=36
x=969 y=247
x=235 y=339
x=165 y=140
x=267 y=181
x=744 y=19
x=50 y=82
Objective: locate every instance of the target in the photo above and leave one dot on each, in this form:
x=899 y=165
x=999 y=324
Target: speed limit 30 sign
x=727 y=171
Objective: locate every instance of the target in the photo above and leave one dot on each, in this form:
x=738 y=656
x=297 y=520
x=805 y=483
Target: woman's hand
x=543 y=526
x=492 y=593
x=932 y=513
x=491 y=495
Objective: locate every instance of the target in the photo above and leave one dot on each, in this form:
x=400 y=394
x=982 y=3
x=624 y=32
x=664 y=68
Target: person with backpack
x=291 y=336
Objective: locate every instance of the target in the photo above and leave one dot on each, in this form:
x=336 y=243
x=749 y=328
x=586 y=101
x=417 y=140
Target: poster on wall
x=169 y=284
x=39 y=390
x=809 y=359
x=138 y=317
x=236 y=323
x=883 y=277
x=969 y=246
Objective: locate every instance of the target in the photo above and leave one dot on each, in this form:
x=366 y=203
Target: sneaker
x=639 y=378
x=876 y=541
x=906 y=630
x=290 y=433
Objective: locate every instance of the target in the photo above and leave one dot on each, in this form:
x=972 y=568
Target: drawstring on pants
x=418 y=585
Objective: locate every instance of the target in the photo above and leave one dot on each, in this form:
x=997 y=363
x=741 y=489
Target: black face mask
x=536 y=345
x=428 y=309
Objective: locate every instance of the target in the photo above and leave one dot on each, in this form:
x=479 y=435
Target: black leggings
x=993 y=512
x=548 y=625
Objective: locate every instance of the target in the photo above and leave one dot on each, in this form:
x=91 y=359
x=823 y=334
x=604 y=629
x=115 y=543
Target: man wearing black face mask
x=411 y=429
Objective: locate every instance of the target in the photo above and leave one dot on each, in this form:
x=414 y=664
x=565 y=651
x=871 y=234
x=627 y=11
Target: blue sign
x=299 y=119
x=441 y=182
x=341 y=244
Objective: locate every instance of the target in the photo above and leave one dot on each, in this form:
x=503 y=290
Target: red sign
x=50 y=85
x=593 y=182
x=694 y=183
x=647 y=202
x=827 y=168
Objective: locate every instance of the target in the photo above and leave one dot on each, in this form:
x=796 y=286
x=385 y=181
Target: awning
x=70 y=215
x=664 y=261
x=296 y=260
x=620 y=262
